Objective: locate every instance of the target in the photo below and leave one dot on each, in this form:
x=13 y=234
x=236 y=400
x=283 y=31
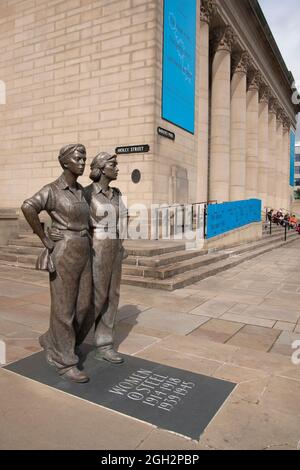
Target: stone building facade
x=90 y=71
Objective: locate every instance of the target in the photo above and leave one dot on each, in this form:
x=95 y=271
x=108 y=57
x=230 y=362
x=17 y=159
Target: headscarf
x=67 y=150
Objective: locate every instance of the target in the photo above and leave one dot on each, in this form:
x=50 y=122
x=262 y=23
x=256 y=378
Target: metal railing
x=286 y=226
x=182 y=218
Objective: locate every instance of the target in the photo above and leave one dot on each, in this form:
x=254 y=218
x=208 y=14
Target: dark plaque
x=133 y=149
x=136 y=176
x=165 y=133
x=170 y=398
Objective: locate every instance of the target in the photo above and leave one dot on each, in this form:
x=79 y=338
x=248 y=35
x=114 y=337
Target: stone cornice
x=207 y=9
x=240 y=62
x=223 y=39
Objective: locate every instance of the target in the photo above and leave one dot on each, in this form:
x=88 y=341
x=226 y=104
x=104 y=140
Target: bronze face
x=76 y=163
x=111 y=169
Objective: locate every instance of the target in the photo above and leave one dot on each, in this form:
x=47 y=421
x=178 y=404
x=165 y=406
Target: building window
x=297 y=157
x=297 y=170
x=297 y=182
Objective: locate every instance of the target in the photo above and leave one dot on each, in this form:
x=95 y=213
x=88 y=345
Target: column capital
x=286 y=123
x=264 y=93
x=273 y=105
x=207 y=9
x=240 y=62
x=280 y=114
x=254 y=80
x=223 y=38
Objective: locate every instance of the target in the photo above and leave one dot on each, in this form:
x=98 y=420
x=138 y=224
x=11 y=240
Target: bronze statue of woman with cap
x=108 y=214
x=67 y=257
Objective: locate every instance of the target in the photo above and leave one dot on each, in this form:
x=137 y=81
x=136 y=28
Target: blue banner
x=222 y=218
x=178 y=89
x=292 y=158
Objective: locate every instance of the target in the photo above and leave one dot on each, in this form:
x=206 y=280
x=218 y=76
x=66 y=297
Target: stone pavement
x=237 y=326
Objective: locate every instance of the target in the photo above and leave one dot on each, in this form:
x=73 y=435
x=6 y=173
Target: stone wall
x=182 y=154
x=77 y=70
x=246 y=234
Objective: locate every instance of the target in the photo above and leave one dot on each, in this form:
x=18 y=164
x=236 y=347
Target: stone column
x=279 y=167
x=252 y=137
x=238 y=126
x=263 y=144
x=272 y=153
x=220 y=116
x=206 y=11
x=286 y=188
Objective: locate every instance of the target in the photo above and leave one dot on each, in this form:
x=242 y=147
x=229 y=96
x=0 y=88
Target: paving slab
x=212 y=308
x=282 y=395
x=171 y=442
x=284 y=343
x=248 y=319
x=241 y=426
x=255 y=337
x=239 y=374
x=204 y=349
x=217 y=330
x=17 y=289
x=284 y=326
x=134 y=343
x=278 y=313
x=259 y=360
x=35 y=416
x=176 y=323
x=187 y=361
x=241 y=298
x=128 y=310
x=287 y=338
x=10 y=328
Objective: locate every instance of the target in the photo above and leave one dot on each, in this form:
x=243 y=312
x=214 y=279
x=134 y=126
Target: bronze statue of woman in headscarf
x=106 y=212
x=67 y=257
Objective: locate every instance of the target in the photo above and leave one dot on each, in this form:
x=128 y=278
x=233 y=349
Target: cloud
x=284 y=19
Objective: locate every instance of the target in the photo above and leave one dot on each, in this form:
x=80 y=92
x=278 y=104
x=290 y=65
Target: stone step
x=275 y=230
x=164 y=259
x=142 y=248
x=14 y=259
x=174 y=269
x=190 y=277
x=149 y=248
x=21 y=250
x=31 y=240
x=263 y=242
x=176 y=265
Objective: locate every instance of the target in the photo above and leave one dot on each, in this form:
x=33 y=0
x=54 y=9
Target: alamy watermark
x=296 y=354
x=2 y=92
x=296 y=92
x=158 y=222
x=2 y=353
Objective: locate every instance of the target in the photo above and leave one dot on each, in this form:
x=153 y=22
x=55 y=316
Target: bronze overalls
x=71 y=283
x=107 y=255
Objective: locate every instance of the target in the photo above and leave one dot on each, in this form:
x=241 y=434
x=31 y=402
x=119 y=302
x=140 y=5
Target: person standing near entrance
x=106 y=211
x=67 y=257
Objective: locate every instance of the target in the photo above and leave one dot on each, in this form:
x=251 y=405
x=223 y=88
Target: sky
x=283 y=17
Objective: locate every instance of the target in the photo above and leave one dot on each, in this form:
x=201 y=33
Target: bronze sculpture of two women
x=83 y=258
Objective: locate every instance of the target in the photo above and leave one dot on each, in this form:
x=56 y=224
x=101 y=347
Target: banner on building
x=179 y=47
x=222 y=218
x=292 y=158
